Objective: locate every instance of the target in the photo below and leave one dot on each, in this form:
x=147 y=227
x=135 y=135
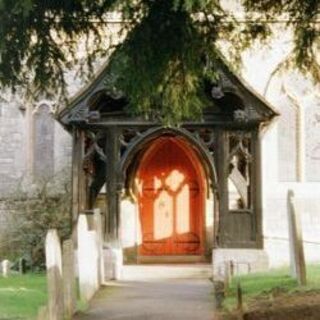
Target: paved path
x=177 y=299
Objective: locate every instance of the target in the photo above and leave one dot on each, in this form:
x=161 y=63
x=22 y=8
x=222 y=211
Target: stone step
x=172 y=271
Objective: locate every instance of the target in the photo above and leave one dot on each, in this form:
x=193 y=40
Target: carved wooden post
x=82 y=177
x=78 y=179
x=222 y=165
x=113 y=200
x=78 y=183
x=75 y=174
x=113 y=158
x=256 y=189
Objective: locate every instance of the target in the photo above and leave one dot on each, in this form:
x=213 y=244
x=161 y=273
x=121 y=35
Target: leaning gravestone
x=69 y=286
x=298 y=266
x=54 y=275
x=5 y=268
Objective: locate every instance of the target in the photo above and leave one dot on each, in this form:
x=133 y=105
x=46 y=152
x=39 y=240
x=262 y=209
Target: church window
x=312 y=147
x=43 y=142
x=288 y=143
x=239 y=179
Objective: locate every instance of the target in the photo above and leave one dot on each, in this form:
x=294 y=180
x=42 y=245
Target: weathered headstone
x=298 y=266
x=5 y=268
x=54 y=275
x=22 y=266
x=69 y=288
x=87 y=259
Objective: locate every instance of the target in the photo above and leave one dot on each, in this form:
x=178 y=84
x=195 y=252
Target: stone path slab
x=173 y=299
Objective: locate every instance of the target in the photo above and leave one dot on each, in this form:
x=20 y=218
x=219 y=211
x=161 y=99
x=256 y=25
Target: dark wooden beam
x=257 y=189
x=112 y=183
x=222 y=172
x=78 y=180
x=75 y=172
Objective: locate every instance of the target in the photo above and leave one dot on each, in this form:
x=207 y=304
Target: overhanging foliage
x=169 y=50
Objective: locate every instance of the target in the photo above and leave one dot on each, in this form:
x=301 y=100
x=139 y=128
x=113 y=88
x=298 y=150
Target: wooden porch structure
x=108 y=145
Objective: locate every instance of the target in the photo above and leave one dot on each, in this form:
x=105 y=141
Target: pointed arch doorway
x=171 y=199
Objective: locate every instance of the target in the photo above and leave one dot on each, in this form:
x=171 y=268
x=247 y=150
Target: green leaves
x=163 y=62
x=38 y=39
x=161 y=65
x=303 y=18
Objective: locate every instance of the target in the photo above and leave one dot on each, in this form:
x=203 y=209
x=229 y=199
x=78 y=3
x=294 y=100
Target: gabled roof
x=257 y=107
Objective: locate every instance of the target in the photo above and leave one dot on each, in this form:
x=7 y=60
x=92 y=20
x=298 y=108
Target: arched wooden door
x=171 y=200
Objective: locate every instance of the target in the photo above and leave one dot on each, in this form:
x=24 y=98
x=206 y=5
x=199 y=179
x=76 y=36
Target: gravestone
x=5 y=268
x=54 y=275
x=22 y=266
x=69 y=286
x=87 y=259
x=298 y=266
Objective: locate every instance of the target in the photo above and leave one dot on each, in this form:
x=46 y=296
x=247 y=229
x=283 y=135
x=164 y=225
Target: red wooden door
x=170 y=200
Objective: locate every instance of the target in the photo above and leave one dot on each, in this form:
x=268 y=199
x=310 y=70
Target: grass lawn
x=21 y=296
x=258 y=283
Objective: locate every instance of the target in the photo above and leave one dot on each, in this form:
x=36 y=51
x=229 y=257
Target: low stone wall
x=242 y=261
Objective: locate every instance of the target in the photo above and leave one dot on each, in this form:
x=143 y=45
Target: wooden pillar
x=222 y=166
x=78 y=177
x=112 y=183
x=256 y=189
x=83 y=196
x=75 y=170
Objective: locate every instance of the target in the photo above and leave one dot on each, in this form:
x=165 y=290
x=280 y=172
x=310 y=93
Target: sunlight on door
x=163 y=216
x=172 y=207
x=170 y=200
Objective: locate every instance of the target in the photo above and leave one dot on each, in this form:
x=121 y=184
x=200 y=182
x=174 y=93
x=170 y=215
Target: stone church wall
x=290 y=151
x=21 y=157
x=29 y=142
x=275 y=215
x=12 y=145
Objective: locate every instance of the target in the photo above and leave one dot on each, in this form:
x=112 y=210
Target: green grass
x=22 y=295
x=256 y=284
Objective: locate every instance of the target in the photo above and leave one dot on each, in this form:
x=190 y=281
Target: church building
x=208 y=191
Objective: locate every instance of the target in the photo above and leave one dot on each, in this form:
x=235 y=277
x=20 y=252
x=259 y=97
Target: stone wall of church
x=30 y=142
x=29 y=145
x=12 y=145
x=275 y=210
